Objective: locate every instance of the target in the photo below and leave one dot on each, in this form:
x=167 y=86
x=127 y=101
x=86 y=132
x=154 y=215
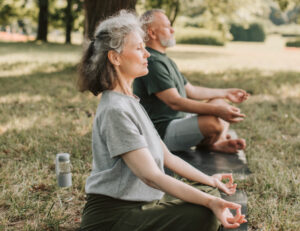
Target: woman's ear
x=113 y=57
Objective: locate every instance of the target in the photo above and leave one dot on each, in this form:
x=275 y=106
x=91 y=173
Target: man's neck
x=156 y=46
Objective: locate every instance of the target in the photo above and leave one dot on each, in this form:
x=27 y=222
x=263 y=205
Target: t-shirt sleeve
x=121 y=133
x=158 y=78
x=184 y=79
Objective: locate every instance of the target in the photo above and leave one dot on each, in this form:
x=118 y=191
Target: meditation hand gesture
x=230 y=114
x=221 y=208
x=236 y=95
x=228 y=188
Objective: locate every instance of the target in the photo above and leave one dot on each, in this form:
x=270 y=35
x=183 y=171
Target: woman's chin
x=143 y=74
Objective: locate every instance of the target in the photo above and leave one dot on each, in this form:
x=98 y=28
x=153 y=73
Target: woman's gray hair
x=96 y=73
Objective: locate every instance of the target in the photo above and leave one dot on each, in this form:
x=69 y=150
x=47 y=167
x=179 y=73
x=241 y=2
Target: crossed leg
x=215 y=132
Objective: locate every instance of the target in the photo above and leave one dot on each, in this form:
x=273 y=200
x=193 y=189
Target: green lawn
x=42 y=114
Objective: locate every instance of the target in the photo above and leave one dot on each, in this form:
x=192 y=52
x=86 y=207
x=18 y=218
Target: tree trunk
x=96 y=11
x=176 y=8
x=43 y=21
x=69 y=21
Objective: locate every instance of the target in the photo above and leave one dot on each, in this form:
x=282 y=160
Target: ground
x=42 y=114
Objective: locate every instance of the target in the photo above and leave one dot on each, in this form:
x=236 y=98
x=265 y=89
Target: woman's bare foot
x=229 y=146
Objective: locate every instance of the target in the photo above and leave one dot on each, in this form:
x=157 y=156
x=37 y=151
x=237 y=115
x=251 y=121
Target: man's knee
x=210 y=126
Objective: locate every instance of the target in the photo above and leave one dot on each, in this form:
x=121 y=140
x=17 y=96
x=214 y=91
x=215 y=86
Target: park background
x=252 y=45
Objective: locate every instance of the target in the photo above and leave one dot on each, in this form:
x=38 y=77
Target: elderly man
x=184 y=115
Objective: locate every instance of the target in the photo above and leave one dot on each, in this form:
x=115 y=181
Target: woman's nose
x=146 y=53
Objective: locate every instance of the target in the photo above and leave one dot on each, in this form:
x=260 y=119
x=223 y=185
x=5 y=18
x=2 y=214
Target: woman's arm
x=182 y=168
x=143 y=166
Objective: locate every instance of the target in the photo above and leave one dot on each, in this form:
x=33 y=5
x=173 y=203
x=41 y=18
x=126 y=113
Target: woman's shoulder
x=115 y=103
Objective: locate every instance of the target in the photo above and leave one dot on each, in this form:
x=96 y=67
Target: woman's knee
x=201 y=218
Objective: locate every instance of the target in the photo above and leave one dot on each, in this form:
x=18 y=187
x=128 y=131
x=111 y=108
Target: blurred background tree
x=95 y=11
x=171 y=7
x=196 y=21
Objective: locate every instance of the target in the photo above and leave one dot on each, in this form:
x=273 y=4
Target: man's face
x=165 y=32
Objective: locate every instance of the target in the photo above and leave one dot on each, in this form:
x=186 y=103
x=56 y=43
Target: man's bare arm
x=234 y=95
x=172 y=98
x=203 y=93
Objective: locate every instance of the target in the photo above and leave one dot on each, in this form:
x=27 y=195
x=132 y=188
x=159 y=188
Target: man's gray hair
x=148 y=17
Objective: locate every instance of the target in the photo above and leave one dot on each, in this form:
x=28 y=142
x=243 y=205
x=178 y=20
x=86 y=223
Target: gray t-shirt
x=121 y=125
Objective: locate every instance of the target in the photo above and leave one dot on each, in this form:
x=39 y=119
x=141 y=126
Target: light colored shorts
x=184 y=133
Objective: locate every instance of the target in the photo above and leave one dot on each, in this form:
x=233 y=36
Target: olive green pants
x=168 y=214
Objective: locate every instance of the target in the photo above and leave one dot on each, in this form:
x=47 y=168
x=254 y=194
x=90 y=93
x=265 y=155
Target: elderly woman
x=125 y=190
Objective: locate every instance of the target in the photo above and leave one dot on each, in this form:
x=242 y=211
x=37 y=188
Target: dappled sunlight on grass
x=289 y=91
x=23 y=98
x=25 y=123
x=18 y=124
x=261 y=98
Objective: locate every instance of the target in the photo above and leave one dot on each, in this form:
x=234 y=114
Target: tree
x=12 y=12
x=284 y=4
x=290 y=5
x=69 y=21
x=171 y=7
x=96 y=11
x=43 y=20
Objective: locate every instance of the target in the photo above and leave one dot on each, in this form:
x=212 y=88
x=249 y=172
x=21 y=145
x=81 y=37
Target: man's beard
x=167 y=42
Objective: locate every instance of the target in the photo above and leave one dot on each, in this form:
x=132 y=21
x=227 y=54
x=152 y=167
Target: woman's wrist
x=214 y=182
x=211 y=202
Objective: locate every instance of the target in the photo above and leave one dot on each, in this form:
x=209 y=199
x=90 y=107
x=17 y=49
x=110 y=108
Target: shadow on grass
x=40 y=82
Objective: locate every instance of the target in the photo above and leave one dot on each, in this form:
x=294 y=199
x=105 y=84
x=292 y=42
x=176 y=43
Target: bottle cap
x=63 y=157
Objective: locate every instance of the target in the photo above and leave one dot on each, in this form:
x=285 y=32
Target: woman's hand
x=229 y=188
x=221 y=210
x=236 y=95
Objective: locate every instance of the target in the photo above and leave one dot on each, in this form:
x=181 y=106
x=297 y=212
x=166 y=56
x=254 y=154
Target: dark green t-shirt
x=163 y=74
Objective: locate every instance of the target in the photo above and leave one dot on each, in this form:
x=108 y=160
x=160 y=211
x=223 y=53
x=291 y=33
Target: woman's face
x=133 y=58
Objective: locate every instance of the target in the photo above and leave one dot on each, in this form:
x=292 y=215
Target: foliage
x=284 y=4
x=294 y=43
x=17 y=10
x=199 y=36
x=293 y=6
x=276 y=16
x=171 y=7
x=58 y=14
x=218 y=15
x=255 y=33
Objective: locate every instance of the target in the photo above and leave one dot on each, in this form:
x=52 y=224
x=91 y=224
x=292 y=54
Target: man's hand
x=236 y=95
x=230 y=114
x=228 y=188
x=221 y=208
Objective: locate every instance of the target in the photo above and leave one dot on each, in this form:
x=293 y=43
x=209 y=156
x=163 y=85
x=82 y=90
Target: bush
x=255 y=33
x=295 y=43
x=199 y=36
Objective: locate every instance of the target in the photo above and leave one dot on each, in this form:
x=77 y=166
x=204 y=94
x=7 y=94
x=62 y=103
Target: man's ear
x=113 y=57
x=151 y=33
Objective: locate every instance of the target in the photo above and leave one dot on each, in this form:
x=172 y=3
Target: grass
x=43 y=114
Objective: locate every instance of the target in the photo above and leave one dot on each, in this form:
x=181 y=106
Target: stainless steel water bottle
x=63 y=170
